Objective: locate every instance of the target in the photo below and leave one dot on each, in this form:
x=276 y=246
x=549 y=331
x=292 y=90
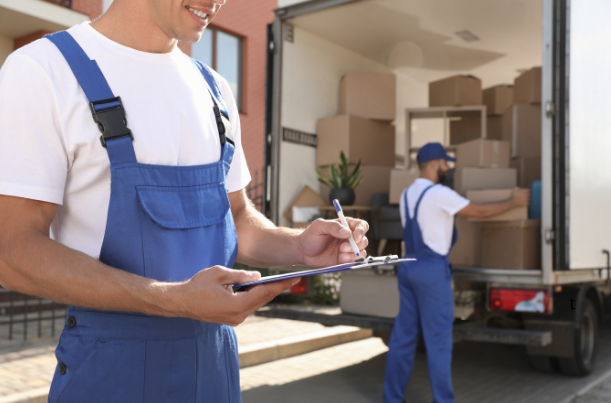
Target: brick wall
x=248 y=19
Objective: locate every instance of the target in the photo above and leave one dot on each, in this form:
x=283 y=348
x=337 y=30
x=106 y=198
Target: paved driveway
x=483 y=373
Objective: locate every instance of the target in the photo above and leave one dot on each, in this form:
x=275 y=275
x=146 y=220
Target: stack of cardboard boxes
x=488 y=170
x=363 y=131
x=522 y=127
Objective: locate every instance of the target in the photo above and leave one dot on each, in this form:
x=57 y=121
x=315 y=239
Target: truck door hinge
x=550 y=235
x=550 y=109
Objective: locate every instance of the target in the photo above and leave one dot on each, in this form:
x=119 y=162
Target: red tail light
x=301 y=287
x=520 y=300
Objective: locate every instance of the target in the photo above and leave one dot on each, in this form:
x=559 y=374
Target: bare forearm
x=262 y=244
x=39 y=266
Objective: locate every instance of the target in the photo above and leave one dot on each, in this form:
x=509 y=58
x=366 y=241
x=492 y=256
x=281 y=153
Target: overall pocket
x=185 y=230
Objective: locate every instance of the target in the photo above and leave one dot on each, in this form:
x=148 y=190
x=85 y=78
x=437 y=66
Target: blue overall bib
x=165 y=223
x=427 y=306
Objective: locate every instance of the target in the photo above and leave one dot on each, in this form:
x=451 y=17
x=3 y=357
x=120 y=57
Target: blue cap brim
x=448 y=158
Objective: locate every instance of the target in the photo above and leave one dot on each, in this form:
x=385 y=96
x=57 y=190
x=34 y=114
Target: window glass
x=202 y=50
x=228 y=61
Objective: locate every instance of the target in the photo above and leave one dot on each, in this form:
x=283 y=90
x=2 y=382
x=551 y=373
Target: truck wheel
x=543 y=363
x=585 y=342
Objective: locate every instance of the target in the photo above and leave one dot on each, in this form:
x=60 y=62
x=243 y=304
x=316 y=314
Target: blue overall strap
x=419 y=200
x=106 y=109
x=220 y=108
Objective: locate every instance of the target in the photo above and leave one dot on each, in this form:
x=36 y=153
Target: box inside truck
x=440 y=60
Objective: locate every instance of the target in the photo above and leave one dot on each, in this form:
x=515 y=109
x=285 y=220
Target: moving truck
x=313 y=44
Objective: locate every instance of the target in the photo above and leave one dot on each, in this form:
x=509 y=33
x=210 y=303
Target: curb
x=249 y=356
x=40 y=395
x=602 y=378
x=261 y=353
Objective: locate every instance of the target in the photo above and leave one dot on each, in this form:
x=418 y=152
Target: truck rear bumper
x=462 y=332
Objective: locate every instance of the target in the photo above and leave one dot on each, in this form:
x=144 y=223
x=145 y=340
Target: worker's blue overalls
x=165 y=223
x=426 y=305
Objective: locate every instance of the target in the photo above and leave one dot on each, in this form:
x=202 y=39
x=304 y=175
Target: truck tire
x=585 y=343
x=543 y=363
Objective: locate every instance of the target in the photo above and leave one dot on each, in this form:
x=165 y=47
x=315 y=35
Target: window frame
x=214 y=31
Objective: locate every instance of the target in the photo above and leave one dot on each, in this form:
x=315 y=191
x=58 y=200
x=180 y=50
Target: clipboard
x=358 y=264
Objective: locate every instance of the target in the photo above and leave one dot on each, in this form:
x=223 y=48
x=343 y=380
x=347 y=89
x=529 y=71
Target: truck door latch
x=550 y=109
x=550 y=235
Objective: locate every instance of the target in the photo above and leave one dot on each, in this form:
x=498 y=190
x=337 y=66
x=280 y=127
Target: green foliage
x=340 y=176
x=327 y=289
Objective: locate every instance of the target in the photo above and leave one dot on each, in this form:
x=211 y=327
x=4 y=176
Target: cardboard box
x=467 y=251
x=375 y=180
x=494 y=127
x=456 y=91
x=483 y=154
x=373 y=142
x=511 y=244
x=467 y=128
x=484 y=178
x=497 y=99
x=400 y=180
x=496 y=196
x=529 y=170
x=305 y=198
x=368 y=95
x=527 y=87
x=522 y=128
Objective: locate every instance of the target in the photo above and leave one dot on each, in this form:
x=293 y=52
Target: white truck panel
x=589 y=132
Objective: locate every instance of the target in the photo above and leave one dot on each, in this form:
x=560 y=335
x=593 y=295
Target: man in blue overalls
x=128 y=153
x=425 y=286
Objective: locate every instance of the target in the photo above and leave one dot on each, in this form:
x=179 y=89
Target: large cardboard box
x=497 y=99
x=522 y=128
x=466 y=127
x=368 y=95
x=529 y=170
x=375 y=180
x=483 y=154
x=400 y=179
x=456 y=91
x=467 y=251
x=307 y=197
x=484 y=178
x=496 y=196
x=494 y=127
x=511 y=244
x=527 y=87
x=373 y=142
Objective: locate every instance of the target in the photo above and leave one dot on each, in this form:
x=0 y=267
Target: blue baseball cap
x=433 y=151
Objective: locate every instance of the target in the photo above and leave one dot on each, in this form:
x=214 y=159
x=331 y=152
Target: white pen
x=340 y=214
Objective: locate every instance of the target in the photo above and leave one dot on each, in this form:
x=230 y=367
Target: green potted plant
x=341 y=180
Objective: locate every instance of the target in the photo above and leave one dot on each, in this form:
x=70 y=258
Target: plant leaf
x=336 y=178
x=323 y=179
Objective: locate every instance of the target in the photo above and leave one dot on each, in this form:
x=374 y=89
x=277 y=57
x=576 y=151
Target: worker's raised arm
x=519 y=198
x=33 y=263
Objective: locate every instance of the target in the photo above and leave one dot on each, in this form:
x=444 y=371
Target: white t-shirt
x=49 y=144
x=435 y=214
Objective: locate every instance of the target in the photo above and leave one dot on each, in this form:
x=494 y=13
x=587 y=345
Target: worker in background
x=425 y=286
x=122 y=179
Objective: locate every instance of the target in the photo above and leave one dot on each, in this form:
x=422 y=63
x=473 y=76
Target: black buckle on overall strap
x=111 y=122
x=224 y=126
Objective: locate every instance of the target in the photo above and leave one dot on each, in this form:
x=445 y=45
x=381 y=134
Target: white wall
x=6 y=48
x=311 y=73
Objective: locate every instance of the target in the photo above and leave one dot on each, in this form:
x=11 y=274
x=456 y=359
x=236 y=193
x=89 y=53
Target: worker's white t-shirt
x=436 y=212
x=49 y=144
